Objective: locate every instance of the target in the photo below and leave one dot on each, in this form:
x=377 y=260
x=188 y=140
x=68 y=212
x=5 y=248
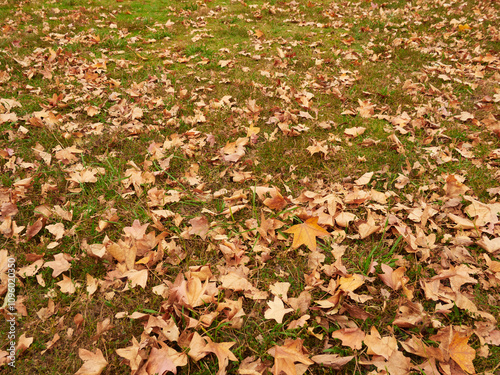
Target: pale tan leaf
x=351 y=337
x=93 y=364
x=276 y=310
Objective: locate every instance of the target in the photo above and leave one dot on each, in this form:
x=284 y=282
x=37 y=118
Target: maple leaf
x=33 y=229
x=24 y=343
x=280 y=289
x=197 y=347
x=301 y=322
x=57 y=230
x=365 y=179
x=102 y=327
x=351 y=337
x=354 y=132
x=252 y=366
x=50 y=344
x=136 y=278
x=396 y=364
x=123 y=252
x=333 y=361
x=276 y=310
x=93 y=364
x=344 y=218
x=131 y=353
x=286 y=355
x=277 y=201
x=158 y=363
x=67 y=285
x=306 y=233
x=136 y=231
x=221 y=350
x=59 y=264
x=383 y=346
x=393 y=279
x=86 y=175
x=462 y=353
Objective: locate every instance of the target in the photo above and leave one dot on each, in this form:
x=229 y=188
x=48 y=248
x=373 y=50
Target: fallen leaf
x=383 y=346
x=462 y=353
x=199 y=226
x=306 y=233
x=58 y=265
x=393 y=279
x=286 y=355
x=334 y=361
x=354 y=132
x=93 y=364
x=351 y=337
x=221 y=350
x=276 y=310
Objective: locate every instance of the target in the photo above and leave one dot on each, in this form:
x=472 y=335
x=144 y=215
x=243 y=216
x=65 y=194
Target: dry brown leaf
x=158 y=363
x=136 y=231
x=32 y=230
x=59 y=264
x=200 y=226
x=383 y=346
x=67 y=285
x=131 y=353
x=93 y=364
x=351 y=337
x=252 y=366
x=344 y=218
x=355 y=131
x=221 y=350
x=393 y=279
x=50 y=344
x=23 y=343
x=286 y=355
x=365 y=179
x=57 y=230
x=333 y=361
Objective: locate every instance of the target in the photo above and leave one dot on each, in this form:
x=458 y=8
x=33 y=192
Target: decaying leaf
x=287 y=355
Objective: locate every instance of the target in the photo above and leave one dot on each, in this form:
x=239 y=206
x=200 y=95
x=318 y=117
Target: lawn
x=231 y=187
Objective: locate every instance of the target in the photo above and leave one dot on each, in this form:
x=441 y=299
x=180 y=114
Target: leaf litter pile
x=280 y=187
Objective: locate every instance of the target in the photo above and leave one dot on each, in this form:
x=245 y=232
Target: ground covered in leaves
x=255 y=187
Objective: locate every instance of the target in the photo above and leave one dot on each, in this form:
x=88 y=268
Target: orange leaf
x=306 y=233
x=462 y=353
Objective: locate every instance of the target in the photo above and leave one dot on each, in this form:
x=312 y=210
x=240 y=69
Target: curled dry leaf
x=224 y=355
x=383 y=346
x=287 y=355
x=333 y=361
x=93 y=364
x=354 y=132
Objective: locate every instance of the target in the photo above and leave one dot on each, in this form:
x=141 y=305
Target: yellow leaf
x=306 y=233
